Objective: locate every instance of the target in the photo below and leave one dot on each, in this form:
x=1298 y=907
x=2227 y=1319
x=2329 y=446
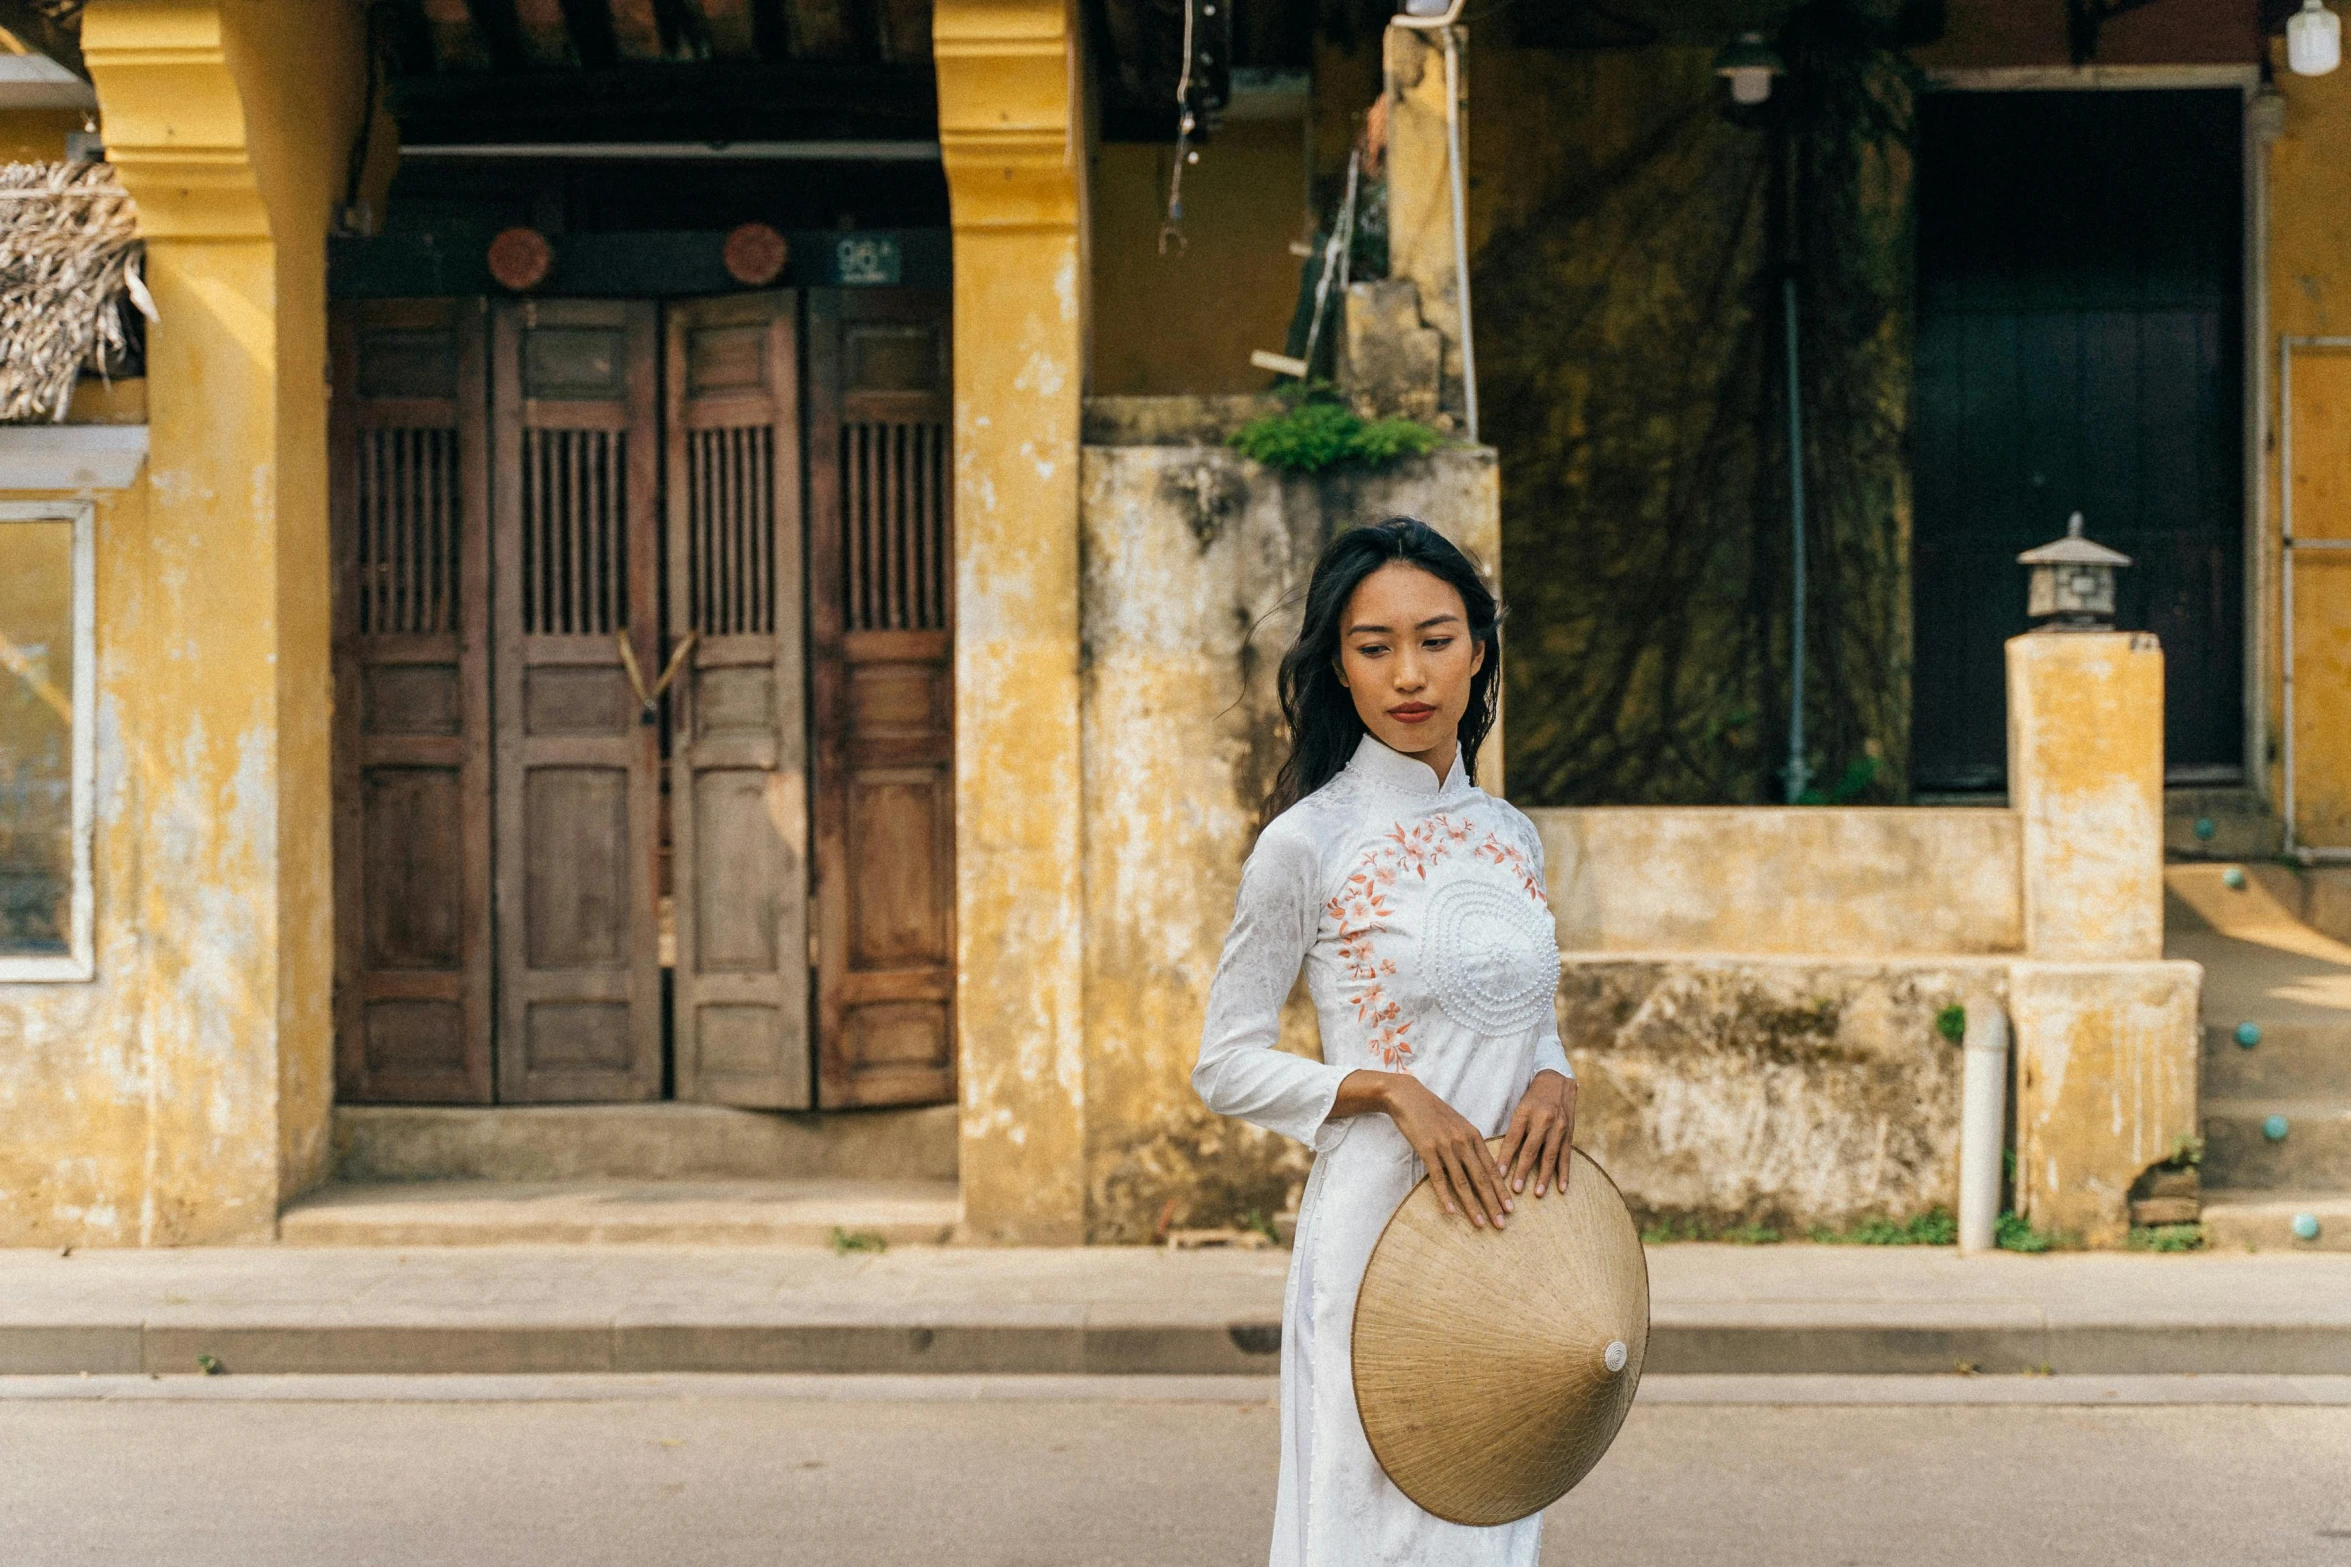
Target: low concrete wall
x=1775 y=1091
x=1835 y=881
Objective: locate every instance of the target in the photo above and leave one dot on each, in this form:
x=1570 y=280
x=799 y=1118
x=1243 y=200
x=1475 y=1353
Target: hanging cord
x=1173 y=228
x=1335 y=257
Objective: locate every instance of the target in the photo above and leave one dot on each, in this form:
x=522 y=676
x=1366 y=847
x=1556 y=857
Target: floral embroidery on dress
x=1509 y=856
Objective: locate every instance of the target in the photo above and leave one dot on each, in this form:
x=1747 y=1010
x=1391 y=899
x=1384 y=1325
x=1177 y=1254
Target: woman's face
x=1406 y=657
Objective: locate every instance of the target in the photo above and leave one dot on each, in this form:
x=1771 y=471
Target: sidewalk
x=1716 y=1309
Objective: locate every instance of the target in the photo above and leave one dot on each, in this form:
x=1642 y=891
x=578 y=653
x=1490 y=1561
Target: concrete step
x=666 y=1213
x=2315 y=1154
x=656 y=1142
x=2264 y=1221
x=2238 y=826
x=2291 y=1060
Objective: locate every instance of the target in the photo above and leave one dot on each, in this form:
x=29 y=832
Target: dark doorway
x=2080 y=348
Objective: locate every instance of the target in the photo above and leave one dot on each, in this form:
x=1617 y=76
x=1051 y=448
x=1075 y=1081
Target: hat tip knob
x=1616 y=1355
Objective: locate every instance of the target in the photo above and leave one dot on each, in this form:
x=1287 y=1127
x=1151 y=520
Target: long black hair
x=1324 y=726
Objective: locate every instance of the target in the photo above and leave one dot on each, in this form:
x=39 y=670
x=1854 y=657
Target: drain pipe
x=1423 y=16
x=1983 y=1123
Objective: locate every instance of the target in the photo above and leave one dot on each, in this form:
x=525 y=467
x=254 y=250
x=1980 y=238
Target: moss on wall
x=1631 y=362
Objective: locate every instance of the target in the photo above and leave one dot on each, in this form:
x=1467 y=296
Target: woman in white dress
x=1415 y=902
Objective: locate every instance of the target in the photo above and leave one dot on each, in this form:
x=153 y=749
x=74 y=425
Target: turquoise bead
x=2306 y=1226
x=2248 y=1034
x=2274 y=1128
x=2204 y=828
x=2233 y=878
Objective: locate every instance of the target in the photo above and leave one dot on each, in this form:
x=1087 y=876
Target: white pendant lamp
x=2314 y=39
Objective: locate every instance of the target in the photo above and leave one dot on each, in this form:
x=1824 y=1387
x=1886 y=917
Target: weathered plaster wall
x=1008 y=127
x=1824 y=880
x=1183 y=320
x=1752 y=1090
x=183 y=1096
x=1194 y=558
x=74 y=1080
x=2309 y=255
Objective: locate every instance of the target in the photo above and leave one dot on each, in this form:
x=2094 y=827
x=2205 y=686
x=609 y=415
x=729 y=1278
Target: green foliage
x=847 y=1241
x=1951 y=1023
x=2166 y=1237
x=1935 y=1227
x=1851 y=784
x=2186 y=1154
x=1318 y=432
x=2012 y=1233
x=1691 y=1228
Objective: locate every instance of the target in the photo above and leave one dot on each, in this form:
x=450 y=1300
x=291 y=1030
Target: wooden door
x=2080 y=336
x=881 y=636
x=409 y=466
x=575 y=552
x=739 y=710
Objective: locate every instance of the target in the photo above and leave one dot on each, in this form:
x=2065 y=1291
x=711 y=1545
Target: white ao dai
x=1417 y=909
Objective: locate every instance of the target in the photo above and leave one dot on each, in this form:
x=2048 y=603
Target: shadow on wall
x=1631 y=356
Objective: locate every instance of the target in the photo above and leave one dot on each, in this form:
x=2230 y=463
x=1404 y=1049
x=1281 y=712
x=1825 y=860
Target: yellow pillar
x=1420 y=187
x=228 y=122
x=1011 y=137
x=2106 y=1034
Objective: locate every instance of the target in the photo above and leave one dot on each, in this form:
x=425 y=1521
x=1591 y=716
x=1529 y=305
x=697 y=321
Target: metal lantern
x=2072 y=582
x=1748 y=65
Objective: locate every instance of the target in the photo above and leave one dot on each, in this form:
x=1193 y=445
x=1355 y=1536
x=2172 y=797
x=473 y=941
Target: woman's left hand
x=1542 y=1132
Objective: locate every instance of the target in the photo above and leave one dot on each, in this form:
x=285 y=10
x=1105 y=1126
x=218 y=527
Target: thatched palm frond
x=69 y=260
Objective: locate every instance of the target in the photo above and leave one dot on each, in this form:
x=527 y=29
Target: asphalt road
x=738 y=1472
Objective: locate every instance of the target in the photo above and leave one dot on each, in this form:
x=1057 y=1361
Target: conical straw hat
x=1492 y=1368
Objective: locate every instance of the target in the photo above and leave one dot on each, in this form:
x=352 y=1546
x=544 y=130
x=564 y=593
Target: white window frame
x=79 y=963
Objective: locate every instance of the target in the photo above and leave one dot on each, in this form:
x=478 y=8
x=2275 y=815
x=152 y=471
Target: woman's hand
x=1542 y=1134
x=1460 y=1166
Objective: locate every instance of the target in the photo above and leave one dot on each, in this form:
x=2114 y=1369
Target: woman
x=1415 y=901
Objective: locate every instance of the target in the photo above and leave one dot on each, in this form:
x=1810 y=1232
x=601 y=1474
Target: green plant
x=1256 y=1220
x=1691 y=1228
x=847 y=1241
x=1935 y=1227
x=2013 y=1233
x=1951 y=1023
x=2166 y=1237
x=1317 y=432
x=1851 y=784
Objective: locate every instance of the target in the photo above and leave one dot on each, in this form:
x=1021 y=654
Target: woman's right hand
x=1460 y=1166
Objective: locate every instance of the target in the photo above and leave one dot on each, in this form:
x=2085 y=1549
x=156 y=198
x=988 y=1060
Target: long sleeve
x=1550 y=1054
x=1242 y=1071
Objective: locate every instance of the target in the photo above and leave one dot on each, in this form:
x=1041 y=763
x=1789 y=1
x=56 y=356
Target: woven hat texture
x=1493 y=1368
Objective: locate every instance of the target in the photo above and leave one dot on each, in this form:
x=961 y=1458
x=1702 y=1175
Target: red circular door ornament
x=520 y=259
x=755 y=255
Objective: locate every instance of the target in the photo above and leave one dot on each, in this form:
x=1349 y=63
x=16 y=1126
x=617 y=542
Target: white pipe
x=1453 y=161
x=1983 y=1123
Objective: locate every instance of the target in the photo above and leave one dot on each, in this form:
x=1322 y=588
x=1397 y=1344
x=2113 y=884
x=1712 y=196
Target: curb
x=1688 y=1343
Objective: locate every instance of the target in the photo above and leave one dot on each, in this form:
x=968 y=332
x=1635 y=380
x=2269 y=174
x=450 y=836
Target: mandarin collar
x=1390 y=769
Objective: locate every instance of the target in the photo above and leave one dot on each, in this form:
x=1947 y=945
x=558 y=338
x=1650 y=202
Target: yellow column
x=227 y=122
x=1009 y=129
x=2106 y=1034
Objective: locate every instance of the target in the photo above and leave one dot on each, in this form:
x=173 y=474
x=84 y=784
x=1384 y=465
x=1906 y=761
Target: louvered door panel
x=408 y=485
x=575 y=541
x=881 y=616
x=739 y=718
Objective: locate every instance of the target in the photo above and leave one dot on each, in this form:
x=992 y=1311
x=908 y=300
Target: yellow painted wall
x=184 y=1095
x=2310 y=295
x=1184 y=321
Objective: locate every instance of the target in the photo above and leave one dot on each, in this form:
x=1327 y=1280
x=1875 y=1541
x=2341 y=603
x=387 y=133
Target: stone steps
x=2315 y=1154
x=2264 y=1220
x=649 y=1142
x=807 y=1212
x=2290 y=1060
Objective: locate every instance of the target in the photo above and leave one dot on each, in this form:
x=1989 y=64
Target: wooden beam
x=458 y=44
x=637 y=30
x=546 y=36
x=733 y=35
